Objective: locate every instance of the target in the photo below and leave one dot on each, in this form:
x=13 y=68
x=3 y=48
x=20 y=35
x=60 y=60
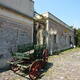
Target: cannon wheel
x=45 y=55
x=35 y=69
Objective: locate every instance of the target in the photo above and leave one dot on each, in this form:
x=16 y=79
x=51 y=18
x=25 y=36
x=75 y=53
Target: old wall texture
x=11 y=35
x=23 y=6
x=16 y=26
x=58 y=34
x=62 y=36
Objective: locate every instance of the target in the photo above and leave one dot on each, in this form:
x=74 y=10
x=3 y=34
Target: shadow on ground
x=44 y=70
x=47 y=66
x=26 y=72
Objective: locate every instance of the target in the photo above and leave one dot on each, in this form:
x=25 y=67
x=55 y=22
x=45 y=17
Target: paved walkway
x=65 y=66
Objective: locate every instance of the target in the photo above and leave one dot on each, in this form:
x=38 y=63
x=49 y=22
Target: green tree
x=78 y=37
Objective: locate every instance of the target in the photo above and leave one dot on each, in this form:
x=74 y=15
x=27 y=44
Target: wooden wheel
x=45 y=55
x=35 y=69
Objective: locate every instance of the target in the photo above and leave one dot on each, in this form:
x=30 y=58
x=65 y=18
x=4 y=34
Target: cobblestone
x=66 y=66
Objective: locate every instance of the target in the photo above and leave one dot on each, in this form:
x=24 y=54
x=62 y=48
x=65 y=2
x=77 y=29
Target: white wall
x=23 y=6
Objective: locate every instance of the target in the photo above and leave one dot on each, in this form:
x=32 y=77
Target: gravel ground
x=9 y=75
x=65 y=66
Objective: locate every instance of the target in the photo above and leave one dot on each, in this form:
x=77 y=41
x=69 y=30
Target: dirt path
x=65 y=66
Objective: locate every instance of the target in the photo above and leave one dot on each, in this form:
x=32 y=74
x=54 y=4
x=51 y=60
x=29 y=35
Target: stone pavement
x=66 y=66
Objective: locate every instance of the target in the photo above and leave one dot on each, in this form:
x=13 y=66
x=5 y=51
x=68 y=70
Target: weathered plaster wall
x=63 y=33
x=18 y=17
x=62 y=36
x=23 y=6
x=12 y=34
x=16 y=26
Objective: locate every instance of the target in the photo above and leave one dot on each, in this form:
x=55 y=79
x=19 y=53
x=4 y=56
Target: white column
x=47 y=29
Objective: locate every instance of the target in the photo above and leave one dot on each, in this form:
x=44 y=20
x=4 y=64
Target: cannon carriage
x=31 y=57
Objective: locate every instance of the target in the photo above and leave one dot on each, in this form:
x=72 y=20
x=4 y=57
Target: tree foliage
x=78 y=37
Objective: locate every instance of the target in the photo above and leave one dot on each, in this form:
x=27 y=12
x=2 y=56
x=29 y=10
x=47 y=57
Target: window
x=70 y=40
x=65 y=38
x=54 y=38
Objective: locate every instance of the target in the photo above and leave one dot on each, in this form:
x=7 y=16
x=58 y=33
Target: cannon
x=30 y=57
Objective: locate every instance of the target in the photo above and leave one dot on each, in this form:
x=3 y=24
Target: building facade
x=57 y=33
x=16 y=26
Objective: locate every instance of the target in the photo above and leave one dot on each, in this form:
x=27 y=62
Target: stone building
x=16 y=26
x=57 y=33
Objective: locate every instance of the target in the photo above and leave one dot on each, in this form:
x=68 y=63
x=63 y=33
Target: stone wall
x=62 y=36
x=12 y=34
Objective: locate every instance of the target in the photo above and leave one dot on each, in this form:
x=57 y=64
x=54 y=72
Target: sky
x=66 y=10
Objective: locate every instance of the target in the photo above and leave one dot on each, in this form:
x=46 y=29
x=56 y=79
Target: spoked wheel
x=35 y=69
x=15 y=68
x=45 y=55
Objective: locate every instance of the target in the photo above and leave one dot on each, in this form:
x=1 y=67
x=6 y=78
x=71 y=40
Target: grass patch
x=77 y=49
x=70 y=50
